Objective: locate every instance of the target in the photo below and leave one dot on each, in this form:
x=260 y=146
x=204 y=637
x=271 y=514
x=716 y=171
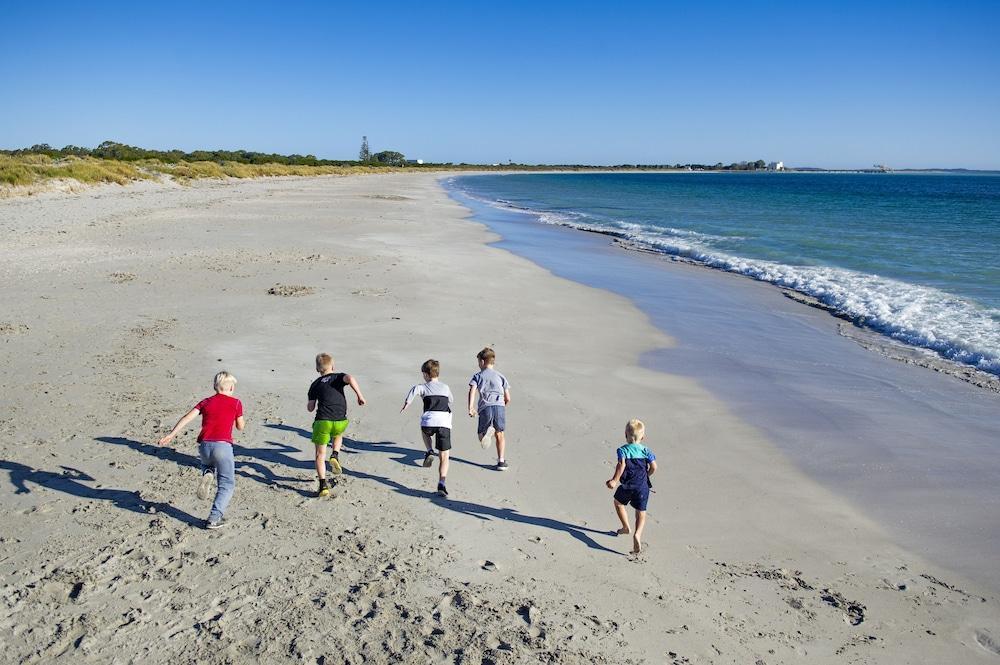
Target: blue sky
x=829 y=84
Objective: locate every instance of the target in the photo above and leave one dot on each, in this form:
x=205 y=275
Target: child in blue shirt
x=636 y=463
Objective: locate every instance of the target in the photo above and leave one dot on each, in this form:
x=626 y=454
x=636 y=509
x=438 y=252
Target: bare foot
x=623 y=531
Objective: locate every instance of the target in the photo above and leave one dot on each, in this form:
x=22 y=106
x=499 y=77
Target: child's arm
x=353 y=383
x=240 y=423
x=181 y=424
x=506 y=396
x=651 y=468
x=472 y=400
x=619 y=470
x=409 y=397
x=311 y=405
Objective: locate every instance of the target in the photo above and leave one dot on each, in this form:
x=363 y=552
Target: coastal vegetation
x=113 y=162
x=120 y=164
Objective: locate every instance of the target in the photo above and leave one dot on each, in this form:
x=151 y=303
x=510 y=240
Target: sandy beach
x=120 y=304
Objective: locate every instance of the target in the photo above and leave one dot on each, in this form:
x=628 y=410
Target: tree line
x=129 y=153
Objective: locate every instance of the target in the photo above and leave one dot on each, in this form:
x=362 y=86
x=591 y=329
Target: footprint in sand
x=13 y=328
x=290 y=290
x=987 y=642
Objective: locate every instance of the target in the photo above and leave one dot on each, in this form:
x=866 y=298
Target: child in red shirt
x=215 y=443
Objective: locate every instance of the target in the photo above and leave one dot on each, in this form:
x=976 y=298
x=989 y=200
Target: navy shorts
x=637 y=498
x=440 y=435
x=492 y=416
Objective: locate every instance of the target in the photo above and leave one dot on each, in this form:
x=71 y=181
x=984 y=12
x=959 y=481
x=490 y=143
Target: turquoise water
x=912 y=256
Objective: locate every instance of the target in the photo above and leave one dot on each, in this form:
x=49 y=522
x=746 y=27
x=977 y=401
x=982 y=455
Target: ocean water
x=915 y=257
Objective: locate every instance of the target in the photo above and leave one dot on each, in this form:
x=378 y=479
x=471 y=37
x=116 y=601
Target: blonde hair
x=487 y=355
x=224 y=381
x=634 y=431
x=431 y=368
x=324 y=361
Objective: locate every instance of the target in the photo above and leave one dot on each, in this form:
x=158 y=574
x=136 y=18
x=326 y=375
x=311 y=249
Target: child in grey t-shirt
x=494 y=396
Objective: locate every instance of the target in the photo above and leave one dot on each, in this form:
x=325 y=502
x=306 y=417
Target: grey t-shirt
x=491 y=385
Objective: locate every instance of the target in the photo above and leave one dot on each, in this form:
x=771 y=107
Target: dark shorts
x=637 y=498
x=441 y=436
x=492 y=416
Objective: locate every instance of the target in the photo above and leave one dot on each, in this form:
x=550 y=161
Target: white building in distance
x=776 y=166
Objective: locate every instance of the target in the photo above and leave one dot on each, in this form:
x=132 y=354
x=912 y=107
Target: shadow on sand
x=407 y=456
x=410 y=457
x=250 y=464
x=69 y=480
x=245 y=466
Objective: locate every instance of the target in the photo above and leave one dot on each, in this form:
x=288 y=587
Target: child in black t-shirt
x=326 y=398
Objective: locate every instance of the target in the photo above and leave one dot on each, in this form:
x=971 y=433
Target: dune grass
x=193 y=170
x=29 y=170
x=33 y=169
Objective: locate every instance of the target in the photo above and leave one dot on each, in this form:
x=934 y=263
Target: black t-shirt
x=328 y=391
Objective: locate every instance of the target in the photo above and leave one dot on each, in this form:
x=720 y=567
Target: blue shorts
x=492 y=416
x=637 y=498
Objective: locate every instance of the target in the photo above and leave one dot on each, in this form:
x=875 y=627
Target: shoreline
x=826 y=435
x=748 y=558
x=865 y=335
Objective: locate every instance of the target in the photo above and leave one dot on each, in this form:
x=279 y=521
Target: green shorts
x=324 y=430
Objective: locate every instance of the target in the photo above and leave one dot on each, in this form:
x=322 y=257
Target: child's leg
x=337 y=429
x=483 y=429
x=499 y=425
x=443 y=465
x=622 y=516
x=427 y=441
x=207 y=471
x=225 y=469
x=205 y=457
x=444 y=454
x=321 y=460
x=640 y=522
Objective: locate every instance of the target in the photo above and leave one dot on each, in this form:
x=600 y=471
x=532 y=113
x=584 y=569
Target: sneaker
x=215 y=524
x=485 y=440
x=442 y=490
x=428 y=459
x=205 y=485
x=324 y=488
x=335 y=467
x=502 y=465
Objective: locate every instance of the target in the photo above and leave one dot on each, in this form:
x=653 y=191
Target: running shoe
x=335 y=467
x=205 y=485
x=502 y=465
x=215 y=524
x=428 y=459
x=324 y=488
x=442 y=490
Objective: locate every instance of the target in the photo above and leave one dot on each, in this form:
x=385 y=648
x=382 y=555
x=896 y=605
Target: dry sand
x=119 y=304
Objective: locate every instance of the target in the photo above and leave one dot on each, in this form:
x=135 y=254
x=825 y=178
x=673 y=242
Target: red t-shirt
x=218 y=415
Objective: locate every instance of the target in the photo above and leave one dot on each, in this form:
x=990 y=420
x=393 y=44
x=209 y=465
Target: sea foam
x=953 y=327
